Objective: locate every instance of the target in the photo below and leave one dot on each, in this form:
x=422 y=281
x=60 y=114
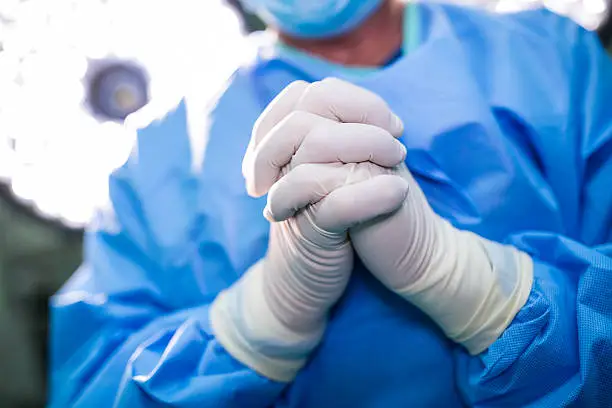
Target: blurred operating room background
x=71 y=71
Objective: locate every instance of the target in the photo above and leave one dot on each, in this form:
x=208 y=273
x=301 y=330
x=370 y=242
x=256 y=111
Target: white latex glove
x=470 y=286
x=275 y=315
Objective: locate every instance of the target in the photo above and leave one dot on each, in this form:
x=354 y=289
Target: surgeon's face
x=313 y=18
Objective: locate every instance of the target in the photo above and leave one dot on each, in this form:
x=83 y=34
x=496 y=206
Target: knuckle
x=297 y=171
x=331 y=80
x=322 y=133
x=256 y=132
x=298 y=83
x=294 y=89
x=301 y=173
x=296 y=119
x=295 y=177
x=320 y=142
x=334 y=82
x=378 y=134
x=315 y=92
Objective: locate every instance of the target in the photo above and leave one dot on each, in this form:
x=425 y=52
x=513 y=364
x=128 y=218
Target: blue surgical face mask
x=313 y=18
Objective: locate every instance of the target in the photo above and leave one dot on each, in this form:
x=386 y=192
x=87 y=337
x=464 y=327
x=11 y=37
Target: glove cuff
x=502 y=296
x=473 y=287
x=245 y=326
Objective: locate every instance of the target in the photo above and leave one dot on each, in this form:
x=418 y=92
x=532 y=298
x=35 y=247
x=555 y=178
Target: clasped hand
x=328 y=157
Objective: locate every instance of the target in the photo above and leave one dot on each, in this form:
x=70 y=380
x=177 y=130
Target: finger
x=276 y=150
x=277 y=110
x=304 y=185
x=353 y=204
x=306 y=138
x=342 y=101
x=350 y=143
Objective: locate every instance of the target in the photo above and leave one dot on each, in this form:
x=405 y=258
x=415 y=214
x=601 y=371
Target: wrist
x=511 y=284
x=473 y=287
x=245 y=325
x=303 y=278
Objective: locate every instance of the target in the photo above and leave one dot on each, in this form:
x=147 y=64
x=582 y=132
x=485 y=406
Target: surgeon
x=393 y=205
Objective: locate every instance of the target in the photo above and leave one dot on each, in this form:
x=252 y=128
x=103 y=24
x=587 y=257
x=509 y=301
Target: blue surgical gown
x=509 y=133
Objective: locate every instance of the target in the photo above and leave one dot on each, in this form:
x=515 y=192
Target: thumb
x=356 y=203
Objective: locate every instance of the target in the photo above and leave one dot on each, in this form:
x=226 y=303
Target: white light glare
x=62 y=156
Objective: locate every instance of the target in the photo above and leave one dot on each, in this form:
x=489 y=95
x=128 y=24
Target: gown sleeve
x=558 y=350
x=131 y=328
